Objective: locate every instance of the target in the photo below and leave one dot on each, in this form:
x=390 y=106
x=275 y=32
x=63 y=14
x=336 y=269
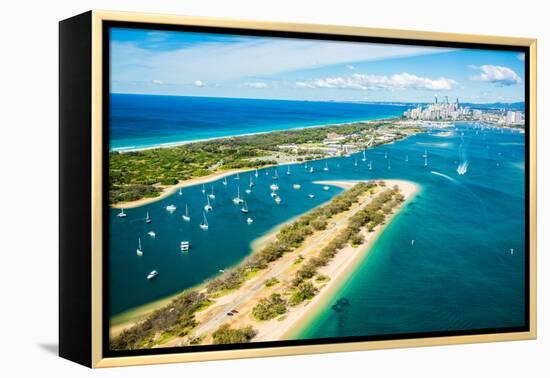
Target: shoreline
x=123 y=150
x=344 y=269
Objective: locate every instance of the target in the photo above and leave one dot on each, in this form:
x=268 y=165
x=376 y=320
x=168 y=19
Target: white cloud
x=158 y=82
x=251 y=57
x=350 y=67
x=499 y=75
x=198 y=83
x=256 y=85
x=402 y=80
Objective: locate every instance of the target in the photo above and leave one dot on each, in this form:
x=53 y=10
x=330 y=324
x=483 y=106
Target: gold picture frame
x=93 y=23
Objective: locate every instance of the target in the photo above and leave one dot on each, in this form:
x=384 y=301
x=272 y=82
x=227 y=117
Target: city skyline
x=216 y=65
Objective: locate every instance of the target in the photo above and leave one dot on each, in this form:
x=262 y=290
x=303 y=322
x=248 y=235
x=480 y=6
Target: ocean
x=464 y=271
x=141 y=121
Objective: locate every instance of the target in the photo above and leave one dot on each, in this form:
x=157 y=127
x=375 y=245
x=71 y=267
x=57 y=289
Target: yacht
x=186 y=216
x=296 y=186
x=326 y=187
x=244 y=209
x=273 y=194
x=122 y=214
x=152 y=275
x=184 y=246
x=152 y=234
x=311 y=195
x=238 y=200
x=171 y=208
x=212 y=195
x=139 y=251
x=204 y=224
x=274 y=187
x=278 y=199
x=248 y=191
x=207 y=207
x=249 y=220
x=148 y=219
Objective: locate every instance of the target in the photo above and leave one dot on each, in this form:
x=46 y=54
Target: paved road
x=221 y=314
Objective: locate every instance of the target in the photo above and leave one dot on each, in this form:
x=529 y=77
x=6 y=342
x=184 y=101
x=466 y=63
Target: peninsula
x=271 y=293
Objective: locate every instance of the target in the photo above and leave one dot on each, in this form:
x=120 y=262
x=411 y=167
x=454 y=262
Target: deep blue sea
x=139 y=121
x=464 y=271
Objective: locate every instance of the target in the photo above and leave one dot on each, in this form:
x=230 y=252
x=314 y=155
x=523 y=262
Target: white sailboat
x=148 y=219
x=152 y=234
x=238 y=200
x=139 y=251
x=288 y=169
x=244 y=209
x=389 y=164
x=425 y=160
x=425 y=154
x=224 y=182
x=204 y=224
x=355 y=163
x=249 y=220
x=276 y=175
x=364 y=156
x=326 y=187
x=212 y=195
x=251 y=182
x=406 y=158
x=180 y=193
x=326 y=167
x=370 y=165
x=122 y=214
x=203 y=190
x=256 y=173
x=248 y=191
x=207 y=207
x=237 y=177
x=278 y=199
x=273 y=194
x=311 y=195
x=186 y=216
x=310 y=169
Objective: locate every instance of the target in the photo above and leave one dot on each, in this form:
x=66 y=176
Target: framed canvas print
x=236 y=189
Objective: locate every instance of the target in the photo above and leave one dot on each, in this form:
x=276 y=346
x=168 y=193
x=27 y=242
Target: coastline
x=344 y=263
x=123 y=150
x=341 y=270
x=169 y=190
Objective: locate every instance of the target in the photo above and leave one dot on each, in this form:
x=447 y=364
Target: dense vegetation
x=138 y=174
x=301 y=288
x=227 y=335
x=175 y=319
x=288 y=239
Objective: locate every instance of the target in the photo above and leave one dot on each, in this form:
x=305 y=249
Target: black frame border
x=107 y=25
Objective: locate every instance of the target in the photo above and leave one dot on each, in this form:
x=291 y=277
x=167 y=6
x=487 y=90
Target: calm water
x=460 y=273
x=143 y=120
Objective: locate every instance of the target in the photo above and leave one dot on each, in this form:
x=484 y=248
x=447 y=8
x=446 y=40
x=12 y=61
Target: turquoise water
x=459 y=275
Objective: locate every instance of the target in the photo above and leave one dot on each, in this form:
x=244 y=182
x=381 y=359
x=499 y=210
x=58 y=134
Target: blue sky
x=199 y=64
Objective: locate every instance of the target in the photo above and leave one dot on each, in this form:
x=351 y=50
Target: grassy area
x=144 y=174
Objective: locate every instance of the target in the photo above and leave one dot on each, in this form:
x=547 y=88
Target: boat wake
x=444 y=176
x=462 y=168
